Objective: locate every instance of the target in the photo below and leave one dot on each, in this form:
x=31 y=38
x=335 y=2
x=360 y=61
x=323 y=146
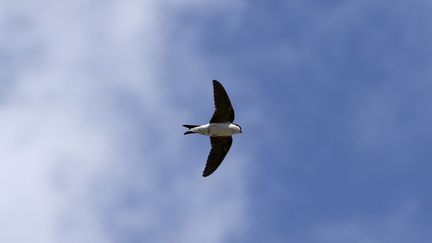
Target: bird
x=220 y=129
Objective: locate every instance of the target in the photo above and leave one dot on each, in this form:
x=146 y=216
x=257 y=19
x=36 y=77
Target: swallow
x=220 y=129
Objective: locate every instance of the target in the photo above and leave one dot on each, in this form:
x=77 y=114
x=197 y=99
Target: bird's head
x=239 y=129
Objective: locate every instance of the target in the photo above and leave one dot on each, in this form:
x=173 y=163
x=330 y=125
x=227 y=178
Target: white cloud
x=80 y=157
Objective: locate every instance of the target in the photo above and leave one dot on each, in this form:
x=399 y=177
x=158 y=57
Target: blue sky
x=333 y=97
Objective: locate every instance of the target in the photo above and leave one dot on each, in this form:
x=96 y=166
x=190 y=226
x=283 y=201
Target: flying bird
x=219 y=129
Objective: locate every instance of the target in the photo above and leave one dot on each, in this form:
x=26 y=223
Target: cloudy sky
x=334 y=98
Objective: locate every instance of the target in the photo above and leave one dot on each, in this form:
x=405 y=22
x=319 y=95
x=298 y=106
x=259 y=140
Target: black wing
x=224 y=111
x=220 y=148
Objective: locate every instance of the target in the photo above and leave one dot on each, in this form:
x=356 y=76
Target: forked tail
x=189 y=127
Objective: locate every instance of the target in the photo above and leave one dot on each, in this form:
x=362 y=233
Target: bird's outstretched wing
x=220 y=148
x=224 y=111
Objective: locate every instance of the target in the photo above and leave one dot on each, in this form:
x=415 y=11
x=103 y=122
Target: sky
x=334 y=99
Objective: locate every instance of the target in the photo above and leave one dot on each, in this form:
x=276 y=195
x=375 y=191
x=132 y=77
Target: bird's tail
x=189 y=127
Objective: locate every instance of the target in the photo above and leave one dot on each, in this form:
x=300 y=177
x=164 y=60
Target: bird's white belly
x=219 y=129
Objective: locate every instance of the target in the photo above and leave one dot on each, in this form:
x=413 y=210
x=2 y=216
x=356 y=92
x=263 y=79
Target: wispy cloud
x=90 y=146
